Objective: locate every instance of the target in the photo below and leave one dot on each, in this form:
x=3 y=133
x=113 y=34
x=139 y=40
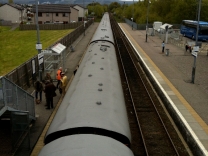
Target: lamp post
x=38 y=45
x=196 y=44
x=147 y=18
x=84 y=16
x=133 y=16
x=123 y=9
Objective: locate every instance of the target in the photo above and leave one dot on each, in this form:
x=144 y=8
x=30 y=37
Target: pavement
x=177 y=67
x=43 y=115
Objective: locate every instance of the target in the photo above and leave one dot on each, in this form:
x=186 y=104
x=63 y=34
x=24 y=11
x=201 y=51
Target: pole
x=197 y=32
x=133 y=16
x=147 y=19
x=38 y=41
x=83 y=17
x=93 y=11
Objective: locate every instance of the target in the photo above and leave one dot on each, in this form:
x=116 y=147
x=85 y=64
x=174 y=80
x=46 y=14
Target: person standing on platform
x=50 y=89
x=58 y=77
x=163 y=46
x=63 y=83
x=48 y=77
x=38 y=89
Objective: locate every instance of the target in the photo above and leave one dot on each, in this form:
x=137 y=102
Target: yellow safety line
x=181 y=98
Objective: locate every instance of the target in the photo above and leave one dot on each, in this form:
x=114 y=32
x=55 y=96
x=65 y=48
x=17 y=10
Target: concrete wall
x=74 y=14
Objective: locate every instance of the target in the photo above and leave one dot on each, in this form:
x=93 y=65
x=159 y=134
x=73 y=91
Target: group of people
x=49 y=88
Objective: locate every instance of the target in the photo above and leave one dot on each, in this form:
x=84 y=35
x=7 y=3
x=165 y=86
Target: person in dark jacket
x=49 y=93
x=38 y=89
x=48 y=77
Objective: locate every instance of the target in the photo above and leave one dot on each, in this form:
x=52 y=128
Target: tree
x=10 y=1
x=113 y=6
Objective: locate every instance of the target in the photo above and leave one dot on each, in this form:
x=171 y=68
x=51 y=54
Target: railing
x=50 y=26
x=12 y=97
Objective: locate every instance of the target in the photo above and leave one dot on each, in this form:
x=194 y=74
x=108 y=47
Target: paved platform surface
x=43 y=115
x=173 y=75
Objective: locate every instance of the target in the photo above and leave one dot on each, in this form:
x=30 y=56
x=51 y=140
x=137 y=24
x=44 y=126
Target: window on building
x=57 y=14
x=65 y=14
x=40 y=14
x=47 y=14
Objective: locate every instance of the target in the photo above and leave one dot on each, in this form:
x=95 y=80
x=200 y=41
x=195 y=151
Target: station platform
x=173 y=75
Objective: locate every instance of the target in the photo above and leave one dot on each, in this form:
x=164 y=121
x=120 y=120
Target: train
x=92 y=118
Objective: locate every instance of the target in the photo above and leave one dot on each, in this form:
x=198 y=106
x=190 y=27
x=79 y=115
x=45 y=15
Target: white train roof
x=95 y=97
x=104 y=31
x=85 y=145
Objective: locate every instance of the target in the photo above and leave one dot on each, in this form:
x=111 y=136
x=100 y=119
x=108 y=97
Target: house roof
x=82 y=6
x=16 y=6
x=49 y=8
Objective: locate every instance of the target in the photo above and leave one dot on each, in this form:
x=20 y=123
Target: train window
x=100 y=84
x=100 y=89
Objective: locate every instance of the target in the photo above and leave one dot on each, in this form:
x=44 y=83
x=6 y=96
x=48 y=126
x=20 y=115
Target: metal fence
x=12 y=97
x=143 y=26
x=50 y=26
x=6 y=23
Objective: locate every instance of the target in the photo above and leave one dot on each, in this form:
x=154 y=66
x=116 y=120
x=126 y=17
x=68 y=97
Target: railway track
x=152 y=131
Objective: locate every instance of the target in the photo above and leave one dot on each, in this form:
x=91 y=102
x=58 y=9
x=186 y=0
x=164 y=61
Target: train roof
x=87 y=145
x=95 y=97
x=104 y=31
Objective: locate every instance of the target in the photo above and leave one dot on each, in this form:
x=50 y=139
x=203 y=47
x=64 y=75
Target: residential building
x=52 y=13
x=83 y=11
x=74 y=14
x=13 y=12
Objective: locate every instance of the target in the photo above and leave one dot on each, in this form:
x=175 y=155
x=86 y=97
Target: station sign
x=38 y=46
x=195 y=51
x=40 y=58
x=46 y=51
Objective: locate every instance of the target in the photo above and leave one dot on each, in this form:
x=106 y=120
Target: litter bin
x=167 y=52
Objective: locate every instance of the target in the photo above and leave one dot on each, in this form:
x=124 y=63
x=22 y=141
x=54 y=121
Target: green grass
x=16 y=46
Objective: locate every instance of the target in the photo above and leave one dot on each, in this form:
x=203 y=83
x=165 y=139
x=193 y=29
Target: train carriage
x=93 y=110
